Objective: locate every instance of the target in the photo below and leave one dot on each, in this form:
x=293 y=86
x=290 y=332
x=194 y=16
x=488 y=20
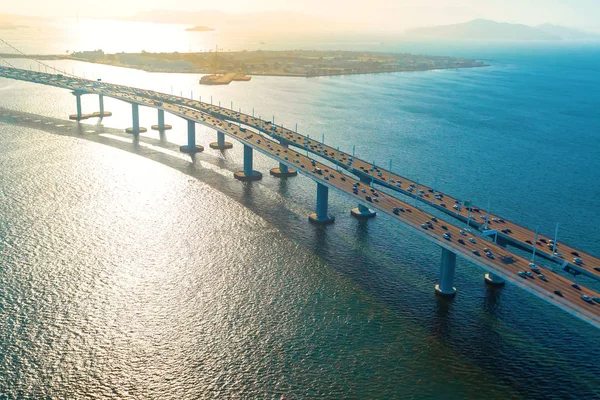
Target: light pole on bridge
x=535 y=243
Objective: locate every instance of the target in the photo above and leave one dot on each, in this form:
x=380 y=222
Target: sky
x=584 y=14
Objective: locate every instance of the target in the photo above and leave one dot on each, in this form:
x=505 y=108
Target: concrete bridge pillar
x=283 y=170
x=161 y=126
x=191 y=146
x=321 y=216
x=79 y=116
x=101 y=113
x=491 y=278
x=221 y=144
x=447 y=268
x=135 y=117
x=78 y=100
x=362 y=212
x=248 y=174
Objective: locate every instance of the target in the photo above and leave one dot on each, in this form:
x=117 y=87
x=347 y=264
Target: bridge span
x=501 y=264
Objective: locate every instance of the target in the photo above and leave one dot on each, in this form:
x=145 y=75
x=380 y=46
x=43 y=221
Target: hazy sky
x=404 y=13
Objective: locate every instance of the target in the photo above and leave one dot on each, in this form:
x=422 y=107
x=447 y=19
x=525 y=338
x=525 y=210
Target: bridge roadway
x=504 y=263
x=520 y=236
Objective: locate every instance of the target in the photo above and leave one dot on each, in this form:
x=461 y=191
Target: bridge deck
x=505 y=263
x=516 y=233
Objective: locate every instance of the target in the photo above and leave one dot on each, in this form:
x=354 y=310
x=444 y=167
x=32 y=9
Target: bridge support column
x=79 y=116
x=283 y=170
x=135 y=118
x=447 y=268
x=101 y=104
x=321 y=216
x=362 y=212
x=221 y=144
x=101 y=113
x=191 y=147
x=248 y=174
x=491 y=278
x=161 y=127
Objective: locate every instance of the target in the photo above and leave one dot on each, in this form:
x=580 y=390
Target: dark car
x=558 y=293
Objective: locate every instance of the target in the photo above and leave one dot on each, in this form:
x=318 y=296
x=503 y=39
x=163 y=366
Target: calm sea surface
x=124 y=277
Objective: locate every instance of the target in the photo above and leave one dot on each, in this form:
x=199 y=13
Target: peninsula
x=296 y=63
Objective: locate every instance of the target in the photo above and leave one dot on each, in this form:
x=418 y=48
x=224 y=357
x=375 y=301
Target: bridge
x=357 y=179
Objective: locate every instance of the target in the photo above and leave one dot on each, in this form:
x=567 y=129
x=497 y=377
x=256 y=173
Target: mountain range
x=483 y=29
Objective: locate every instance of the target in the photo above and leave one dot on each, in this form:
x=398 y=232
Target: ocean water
x=131 y=273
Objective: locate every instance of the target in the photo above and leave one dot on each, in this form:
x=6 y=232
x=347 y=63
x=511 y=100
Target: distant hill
x=567 y=33
x=482 y=29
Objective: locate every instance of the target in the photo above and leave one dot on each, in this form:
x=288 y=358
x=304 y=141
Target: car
x=368 y=198
x=424 y=226
x=434 y=219
x=528 y=241
x=522 y=274
x=446 y=236
x=363 y=191
x=444 y=227
x=529 y=274
x=586 y=298
x=576 y=254
x=376 y=200
x=490 y=255
x=472 y=240
x=396 y=210
x=476 y=252
x=542 y=277
x=596 y=299
x=401 y=209
x=486 y=249
x=343 y=179
x=577 y=260
x=543 y=240
x=463 y=233
x=559 y=255
x=461 y=241
x=429 y=224
x=576 y=286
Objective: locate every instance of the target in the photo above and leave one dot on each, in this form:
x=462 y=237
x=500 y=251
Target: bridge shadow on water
x=440 y=319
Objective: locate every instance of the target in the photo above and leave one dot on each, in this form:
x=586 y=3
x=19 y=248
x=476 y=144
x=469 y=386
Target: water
x=126 y=273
